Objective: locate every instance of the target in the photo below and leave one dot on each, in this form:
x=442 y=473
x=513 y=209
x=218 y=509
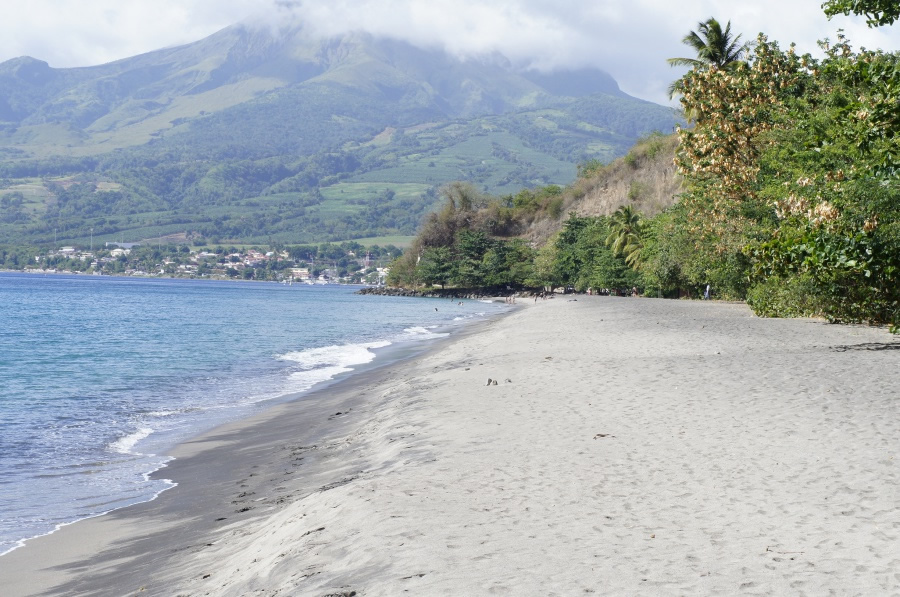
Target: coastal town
x=328 y=263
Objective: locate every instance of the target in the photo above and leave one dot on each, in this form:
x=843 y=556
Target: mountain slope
x=294 y=138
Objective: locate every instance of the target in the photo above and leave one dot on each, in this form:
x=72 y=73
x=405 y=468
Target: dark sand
x=232 y=475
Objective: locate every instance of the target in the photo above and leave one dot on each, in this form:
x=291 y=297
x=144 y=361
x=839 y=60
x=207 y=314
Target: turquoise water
x=99 y=376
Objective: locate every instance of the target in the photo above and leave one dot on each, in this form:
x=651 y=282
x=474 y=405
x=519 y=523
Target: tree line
x=791 y=171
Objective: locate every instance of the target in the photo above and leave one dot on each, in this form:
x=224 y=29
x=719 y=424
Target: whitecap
x=322 y=364
x=125 y=445
x=422 y=333
x=334 y=356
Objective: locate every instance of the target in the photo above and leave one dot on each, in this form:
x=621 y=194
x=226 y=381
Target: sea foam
x=316 y=365
x=125 y=445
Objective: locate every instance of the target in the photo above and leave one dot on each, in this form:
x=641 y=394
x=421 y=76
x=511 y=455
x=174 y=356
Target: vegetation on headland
x=474 y=242
x=791 y=201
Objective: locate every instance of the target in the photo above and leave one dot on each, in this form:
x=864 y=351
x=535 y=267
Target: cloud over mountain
x=629 y=40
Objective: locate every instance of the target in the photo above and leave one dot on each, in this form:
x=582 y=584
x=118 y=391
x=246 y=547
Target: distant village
x=345 y=263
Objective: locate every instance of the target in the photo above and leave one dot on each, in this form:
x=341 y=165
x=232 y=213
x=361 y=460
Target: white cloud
x=631 y=40
x=69 y=33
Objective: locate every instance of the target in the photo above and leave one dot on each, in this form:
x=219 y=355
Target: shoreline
x=185 y=461
x=632 y=445
x=384 y=356
x=287 y=374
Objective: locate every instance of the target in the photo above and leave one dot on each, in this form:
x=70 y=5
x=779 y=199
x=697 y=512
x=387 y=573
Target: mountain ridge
x=244 y=63
x=305 y=138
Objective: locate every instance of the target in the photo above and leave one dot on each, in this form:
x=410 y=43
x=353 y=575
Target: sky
x=630 y=39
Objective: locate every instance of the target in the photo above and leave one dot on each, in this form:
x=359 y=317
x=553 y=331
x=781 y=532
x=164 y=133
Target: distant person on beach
x=706 y=294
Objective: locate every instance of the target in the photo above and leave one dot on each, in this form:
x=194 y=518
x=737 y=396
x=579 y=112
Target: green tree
x=714 y=47
x=608 y=270
x=625 y=228
x=508 y=264
x=877 y=12
x=571 y=257
x=546 y=273
x=436 y=266
x=830 y=170
x=403 y=271
x=471 y=248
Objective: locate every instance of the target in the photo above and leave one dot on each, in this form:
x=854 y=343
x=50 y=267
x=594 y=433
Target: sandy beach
x=628 y=447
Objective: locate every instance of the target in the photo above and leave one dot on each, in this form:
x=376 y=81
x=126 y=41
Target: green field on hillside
x=243 y=137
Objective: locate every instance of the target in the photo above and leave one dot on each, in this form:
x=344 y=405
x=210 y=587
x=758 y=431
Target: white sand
x=631 y=447
x=641 y=447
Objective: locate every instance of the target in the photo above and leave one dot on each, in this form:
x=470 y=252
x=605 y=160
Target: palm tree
x=714 y=47
x=625 y=228
x=634 y=250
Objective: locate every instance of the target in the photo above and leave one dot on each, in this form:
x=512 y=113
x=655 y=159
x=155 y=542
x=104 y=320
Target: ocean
x=101 y=376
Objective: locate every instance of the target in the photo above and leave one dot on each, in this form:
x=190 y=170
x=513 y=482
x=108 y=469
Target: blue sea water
x=100 y=376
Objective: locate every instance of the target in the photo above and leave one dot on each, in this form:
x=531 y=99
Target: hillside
x=248 y=136
x=644 y=178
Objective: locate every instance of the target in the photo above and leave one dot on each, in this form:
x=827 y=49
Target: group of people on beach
x=541 y=295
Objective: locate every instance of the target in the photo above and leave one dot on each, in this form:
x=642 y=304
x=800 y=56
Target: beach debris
x=603 y=435
x=313 y=531
x=489 y=381
x=769 y=549
x=508 y=380
x=222 y=518
x=336 y=484
x=467 y=368
x=548 y=358
x=493 y=383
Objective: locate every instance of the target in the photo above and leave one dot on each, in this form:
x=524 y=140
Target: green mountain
x=253 y=135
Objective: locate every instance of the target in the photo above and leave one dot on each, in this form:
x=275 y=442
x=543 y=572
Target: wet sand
x=630 y=446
